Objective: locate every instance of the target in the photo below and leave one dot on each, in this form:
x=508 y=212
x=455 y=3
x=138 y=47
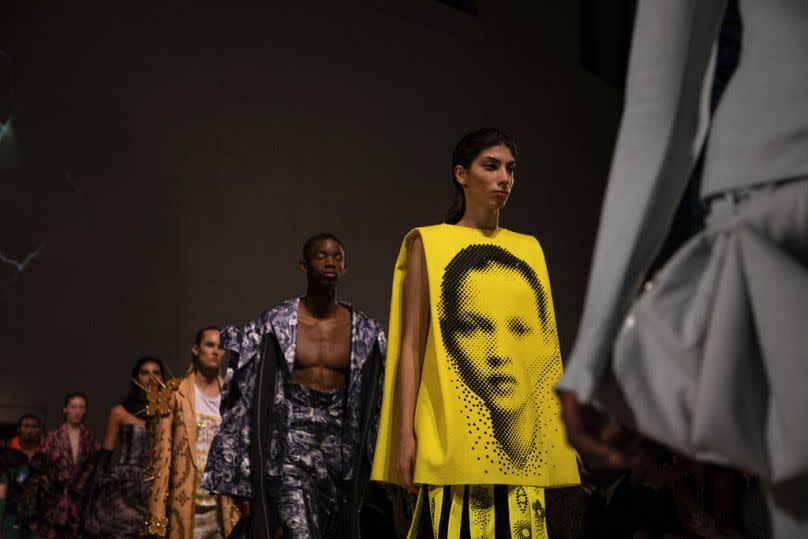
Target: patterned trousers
x=309 y=497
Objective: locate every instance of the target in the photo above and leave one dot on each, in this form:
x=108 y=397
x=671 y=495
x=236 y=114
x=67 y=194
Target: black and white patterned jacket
x=263 y=357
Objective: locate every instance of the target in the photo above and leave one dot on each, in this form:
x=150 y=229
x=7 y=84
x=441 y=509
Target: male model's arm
x=227 y=470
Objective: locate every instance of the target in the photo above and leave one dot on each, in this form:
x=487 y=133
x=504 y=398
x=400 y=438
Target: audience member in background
x=29 y=435
x=13 y=473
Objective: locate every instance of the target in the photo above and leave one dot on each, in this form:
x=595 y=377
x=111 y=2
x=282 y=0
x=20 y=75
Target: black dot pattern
x=521 y=499
x=481 y=502
x=499 y=334
x=539 y=513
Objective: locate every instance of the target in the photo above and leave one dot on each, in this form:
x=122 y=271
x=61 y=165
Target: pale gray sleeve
x=665 y=119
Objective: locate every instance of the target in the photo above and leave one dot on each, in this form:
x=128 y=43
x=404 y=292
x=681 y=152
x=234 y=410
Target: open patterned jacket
x=53 y=495
x=263 y=358
x=174 y=470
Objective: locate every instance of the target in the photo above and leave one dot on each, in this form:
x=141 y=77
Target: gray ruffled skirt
x=712 y=358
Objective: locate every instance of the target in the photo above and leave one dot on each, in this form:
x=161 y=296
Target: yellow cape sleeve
x=386 y=454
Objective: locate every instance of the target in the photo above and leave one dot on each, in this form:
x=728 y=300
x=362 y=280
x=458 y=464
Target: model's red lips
x=502 y=193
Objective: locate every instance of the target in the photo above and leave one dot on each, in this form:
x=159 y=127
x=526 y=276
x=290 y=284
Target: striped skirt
x=479 y=511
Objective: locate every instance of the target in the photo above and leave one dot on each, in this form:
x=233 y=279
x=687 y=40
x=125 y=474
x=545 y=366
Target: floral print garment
x=54 y=493
x=228 y=467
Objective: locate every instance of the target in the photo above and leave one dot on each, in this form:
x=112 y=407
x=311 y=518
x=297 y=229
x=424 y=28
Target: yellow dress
x=486 y=412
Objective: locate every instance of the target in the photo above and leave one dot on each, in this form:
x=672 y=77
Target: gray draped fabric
x=711 y=359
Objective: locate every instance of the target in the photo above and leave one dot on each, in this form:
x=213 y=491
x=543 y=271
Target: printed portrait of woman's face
x=497 y=340
x=493 y=332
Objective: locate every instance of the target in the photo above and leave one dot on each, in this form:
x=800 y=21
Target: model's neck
x=206 y=378
x=73 y=426
x=320 y=303
x=483 y=219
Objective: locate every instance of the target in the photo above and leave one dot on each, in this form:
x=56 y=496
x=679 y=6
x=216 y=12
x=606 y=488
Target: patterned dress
x=120 y=495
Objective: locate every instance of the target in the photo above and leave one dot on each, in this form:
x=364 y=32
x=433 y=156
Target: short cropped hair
x=308 y=246
x=23 y=417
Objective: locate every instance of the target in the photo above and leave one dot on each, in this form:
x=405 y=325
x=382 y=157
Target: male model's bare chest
x=323 y=343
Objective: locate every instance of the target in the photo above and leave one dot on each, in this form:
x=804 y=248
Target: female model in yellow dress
x=469 y=414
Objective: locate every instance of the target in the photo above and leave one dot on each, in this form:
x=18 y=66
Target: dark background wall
x=173 y=160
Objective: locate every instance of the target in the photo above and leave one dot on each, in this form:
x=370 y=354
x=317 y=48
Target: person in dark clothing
x=13 y=473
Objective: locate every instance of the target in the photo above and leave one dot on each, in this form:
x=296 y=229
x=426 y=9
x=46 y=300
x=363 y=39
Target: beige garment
x=175 y=472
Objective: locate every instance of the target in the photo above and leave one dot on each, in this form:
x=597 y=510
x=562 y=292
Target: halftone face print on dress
x=493 y=318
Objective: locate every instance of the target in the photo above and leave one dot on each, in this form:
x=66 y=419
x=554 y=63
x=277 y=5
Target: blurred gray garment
x=713 y=362
x=711 y=358
x=759 y=135
x=759 y=132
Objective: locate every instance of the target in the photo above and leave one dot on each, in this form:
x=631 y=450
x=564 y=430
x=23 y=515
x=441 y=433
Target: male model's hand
x=601 y=442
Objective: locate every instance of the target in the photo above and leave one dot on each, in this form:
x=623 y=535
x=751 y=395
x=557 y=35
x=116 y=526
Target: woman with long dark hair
x=119 y=493
x=469 y=417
